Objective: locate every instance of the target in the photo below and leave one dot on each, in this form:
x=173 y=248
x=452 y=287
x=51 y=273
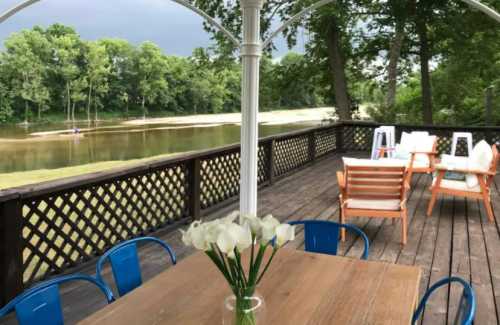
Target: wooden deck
x=456 y=240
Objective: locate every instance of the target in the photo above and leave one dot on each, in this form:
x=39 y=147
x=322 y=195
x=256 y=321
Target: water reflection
x=115 y=143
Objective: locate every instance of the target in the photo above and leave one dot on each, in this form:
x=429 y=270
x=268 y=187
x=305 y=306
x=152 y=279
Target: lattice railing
x=291 y=153
x=68 y=227
x=49 y=228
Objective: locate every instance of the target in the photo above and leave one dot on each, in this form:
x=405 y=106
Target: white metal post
x=250 y=54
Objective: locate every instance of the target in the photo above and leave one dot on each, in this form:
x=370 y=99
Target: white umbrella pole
x=250 y=54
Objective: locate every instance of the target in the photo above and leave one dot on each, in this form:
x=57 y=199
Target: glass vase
x=245 y=306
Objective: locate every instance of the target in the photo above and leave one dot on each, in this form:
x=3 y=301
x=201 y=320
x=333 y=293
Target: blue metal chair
x=125 y=263
x=42 y=303
x=466 y=308
x=322 y=236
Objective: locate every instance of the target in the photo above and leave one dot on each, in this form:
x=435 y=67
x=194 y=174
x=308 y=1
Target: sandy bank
x=275 y=117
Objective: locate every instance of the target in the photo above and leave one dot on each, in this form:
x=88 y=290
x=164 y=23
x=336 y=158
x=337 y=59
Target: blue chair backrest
x=42 y=303
x=322 y=236
x=466 y=307
x=125 y=263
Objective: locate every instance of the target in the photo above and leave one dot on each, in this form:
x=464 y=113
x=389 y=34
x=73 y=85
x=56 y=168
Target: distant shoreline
x=271 y=118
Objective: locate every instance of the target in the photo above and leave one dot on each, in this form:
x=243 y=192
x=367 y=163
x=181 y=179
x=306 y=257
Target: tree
x=67 y=54
x=151 y=68
x=98 y=70
x=5 y=104
x=122 y=73
x=23 y=61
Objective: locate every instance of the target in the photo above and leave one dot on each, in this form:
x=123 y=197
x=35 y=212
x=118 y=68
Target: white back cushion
x=479 y=159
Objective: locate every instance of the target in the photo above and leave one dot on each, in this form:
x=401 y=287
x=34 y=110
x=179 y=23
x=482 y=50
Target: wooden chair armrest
x=465 y=171
x=341 y=179
x=430 y=153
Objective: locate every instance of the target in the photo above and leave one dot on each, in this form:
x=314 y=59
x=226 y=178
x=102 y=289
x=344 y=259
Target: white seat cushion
x=388 y=205
x=457 y=185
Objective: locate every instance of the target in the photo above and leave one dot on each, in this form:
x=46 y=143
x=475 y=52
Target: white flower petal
x=284 y=233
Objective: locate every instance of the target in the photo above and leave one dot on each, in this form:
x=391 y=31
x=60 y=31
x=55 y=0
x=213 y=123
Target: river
x=24 y=149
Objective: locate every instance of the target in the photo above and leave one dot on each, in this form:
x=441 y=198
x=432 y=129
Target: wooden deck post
x=11 y=250
x=312 y=146
x=339 y=138
x=270 y=161
x=195 y=188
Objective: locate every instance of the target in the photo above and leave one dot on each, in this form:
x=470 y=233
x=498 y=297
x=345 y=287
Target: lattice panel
x=290 y=154
x=325 y=142
x=65 y=228
x=220 y=176
x=358 y=138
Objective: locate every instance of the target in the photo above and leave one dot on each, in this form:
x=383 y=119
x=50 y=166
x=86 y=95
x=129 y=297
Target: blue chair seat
x=322 y=236
x=42 y=303
x=124 y=262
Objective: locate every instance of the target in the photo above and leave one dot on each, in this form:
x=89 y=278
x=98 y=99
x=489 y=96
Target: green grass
x=8 y=180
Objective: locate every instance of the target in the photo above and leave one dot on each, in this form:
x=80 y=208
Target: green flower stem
x=258 y=261
x=229 y=269
x=213 y=256
x=275 y=250
x=240 y=267
x=250 y=269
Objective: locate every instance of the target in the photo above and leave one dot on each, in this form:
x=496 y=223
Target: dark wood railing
x=48 y=228
x=53 y=227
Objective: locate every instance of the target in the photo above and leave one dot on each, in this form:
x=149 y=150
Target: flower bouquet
x=223 y=240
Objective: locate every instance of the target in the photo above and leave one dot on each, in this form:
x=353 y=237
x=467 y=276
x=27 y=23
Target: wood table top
x=299 y=288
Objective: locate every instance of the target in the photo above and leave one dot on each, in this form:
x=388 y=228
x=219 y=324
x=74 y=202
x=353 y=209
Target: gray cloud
x=175 y=29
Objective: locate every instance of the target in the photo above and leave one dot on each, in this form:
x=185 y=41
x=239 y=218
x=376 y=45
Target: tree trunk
x=39 y=111
x=425 y=78
x=89 y=101
x=68 y=101
x=392 y=69
x=73 y=112
x=337 y=66
x=26 y=111
x=143 y=108
x=96 y=117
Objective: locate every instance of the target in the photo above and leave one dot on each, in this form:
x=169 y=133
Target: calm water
x=21 y=152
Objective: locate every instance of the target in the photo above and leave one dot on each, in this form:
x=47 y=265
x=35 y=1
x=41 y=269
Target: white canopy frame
x=251 y=51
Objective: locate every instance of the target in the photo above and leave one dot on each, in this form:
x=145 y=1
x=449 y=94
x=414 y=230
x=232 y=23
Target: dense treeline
x=53 y=73
x=426 y=61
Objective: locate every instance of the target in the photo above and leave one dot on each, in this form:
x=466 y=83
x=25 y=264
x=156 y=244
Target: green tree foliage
x=52 y=73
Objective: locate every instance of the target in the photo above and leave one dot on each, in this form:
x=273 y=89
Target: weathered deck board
x=456 y=240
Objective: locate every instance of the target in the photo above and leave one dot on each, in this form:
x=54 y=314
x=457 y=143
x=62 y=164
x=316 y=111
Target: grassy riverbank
x=16 y=179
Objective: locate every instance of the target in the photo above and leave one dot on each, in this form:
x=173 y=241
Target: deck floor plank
x=480 y=273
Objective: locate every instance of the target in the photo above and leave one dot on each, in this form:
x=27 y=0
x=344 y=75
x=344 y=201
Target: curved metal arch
x=14 y=10
x=473 y=3
x=484 y=8
x=295 y=19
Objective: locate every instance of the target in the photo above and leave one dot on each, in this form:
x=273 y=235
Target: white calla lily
x=226 y=242
x=284 y=233
x=269 y=224
x=253 y=222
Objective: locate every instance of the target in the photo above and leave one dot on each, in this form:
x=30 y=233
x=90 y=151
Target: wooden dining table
x=299 y=288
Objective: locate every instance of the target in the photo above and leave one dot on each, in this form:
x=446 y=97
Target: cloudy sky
x=172 y=27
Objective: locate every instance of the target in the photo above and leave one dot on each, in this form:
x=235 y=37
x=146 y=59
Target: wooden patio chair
x=460 y=188
x=374 y=191
x=418 y=149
